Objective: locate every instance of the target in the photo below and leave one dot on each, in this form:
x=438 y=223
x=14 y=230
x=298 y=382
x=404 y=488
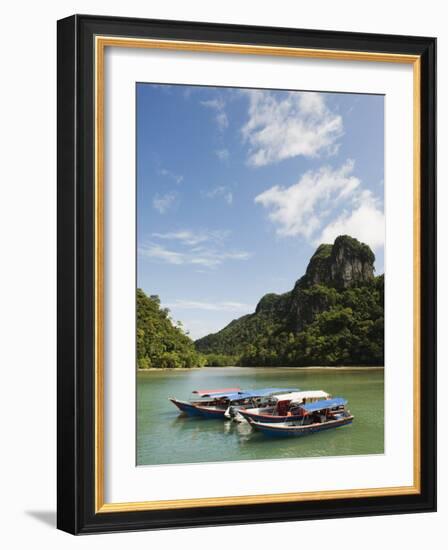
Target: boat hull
x=268 y=418
x=193 y=409
x=285 y=430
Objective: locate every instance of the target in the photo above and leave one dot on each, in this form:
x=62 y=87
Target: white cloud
x=220 y=191
x=165 y=88
x=366 y=223
x=202 y=256
x=305 y=208
x=222 y=154
x=201 y=249
x=298 y=209
x=298 y=124
x=218 y=105
x=236 y=307
x=168 y=174
x=187 y=237
x=161 y=253
x=193 y=238
x=163 y=203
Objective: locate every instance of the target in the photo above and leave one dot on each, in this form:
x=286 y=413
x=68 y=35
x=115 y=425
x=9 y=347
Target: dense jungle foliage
x=160 y=343
x=334 y=315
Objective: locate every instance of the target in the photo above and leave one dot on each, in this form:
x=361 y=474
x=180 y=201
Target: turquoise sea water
x=166 y=437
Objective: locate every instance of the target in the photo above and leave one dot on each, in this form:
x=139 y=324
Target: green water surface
x=166 y=437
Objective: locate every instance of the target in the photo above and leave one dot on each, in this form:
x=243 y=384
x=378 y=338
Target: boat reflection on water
x=242 y=430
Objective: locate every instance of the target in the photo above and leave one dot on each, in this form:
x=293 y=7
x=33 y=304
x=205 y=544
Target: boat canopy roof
x=313 y=394
x=234 y=394
x=264 y=392
x=229 y=396
x=324 y=404
x=290 y=396
x=216 y=393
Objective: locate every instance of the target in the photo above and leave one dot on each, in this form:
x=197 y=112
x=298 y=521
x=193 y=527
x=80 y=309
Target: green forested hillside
x=160 y=344
x=349 y=332
x=333 y=316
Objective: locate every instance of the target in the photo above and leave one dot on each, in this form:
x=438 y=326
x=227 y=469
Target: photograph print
x=260 y=274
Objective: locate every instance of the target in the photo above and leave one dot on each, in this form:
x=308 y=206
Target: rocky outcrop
x=332 y=269
x=340 y=265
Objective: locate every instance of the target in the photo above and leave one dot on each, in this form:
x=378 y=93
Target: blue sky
x=236 y=189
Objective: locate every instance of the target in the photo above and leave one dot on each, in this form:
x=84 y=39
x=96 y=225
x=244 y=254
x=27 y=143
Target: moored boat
x=284 y=407
x=225 y=403
x=316 y=417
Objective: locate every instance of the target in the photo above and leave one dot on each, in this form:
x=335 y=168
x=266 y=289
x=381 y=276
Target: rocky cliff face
x=339 y=266
x=332 y=270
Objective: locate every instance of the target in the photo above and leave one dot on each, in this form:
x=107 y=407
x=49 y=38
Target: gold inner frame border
x=100 y=44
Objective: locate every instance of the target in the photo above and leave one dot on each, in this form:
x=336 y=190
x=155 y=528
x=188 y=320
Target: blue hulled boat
x=316 y=417
x=225 y=403
x=284 y=407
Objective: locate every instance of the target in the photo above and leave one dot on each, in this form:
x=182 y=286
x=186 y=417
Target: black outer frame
x=75 y=402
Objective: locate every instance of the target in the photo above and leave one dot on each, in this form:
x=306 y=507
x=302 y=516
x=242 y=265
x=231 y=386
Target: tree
x=160 y=343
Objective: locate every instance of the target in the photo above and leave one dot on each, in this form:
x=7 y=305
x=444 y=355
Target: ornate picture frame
x=82 y=43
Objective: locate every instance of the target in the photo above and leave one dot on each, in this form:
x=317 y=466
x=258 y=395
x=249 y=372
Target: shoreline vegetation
x=332 y=318
x=338 y=368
